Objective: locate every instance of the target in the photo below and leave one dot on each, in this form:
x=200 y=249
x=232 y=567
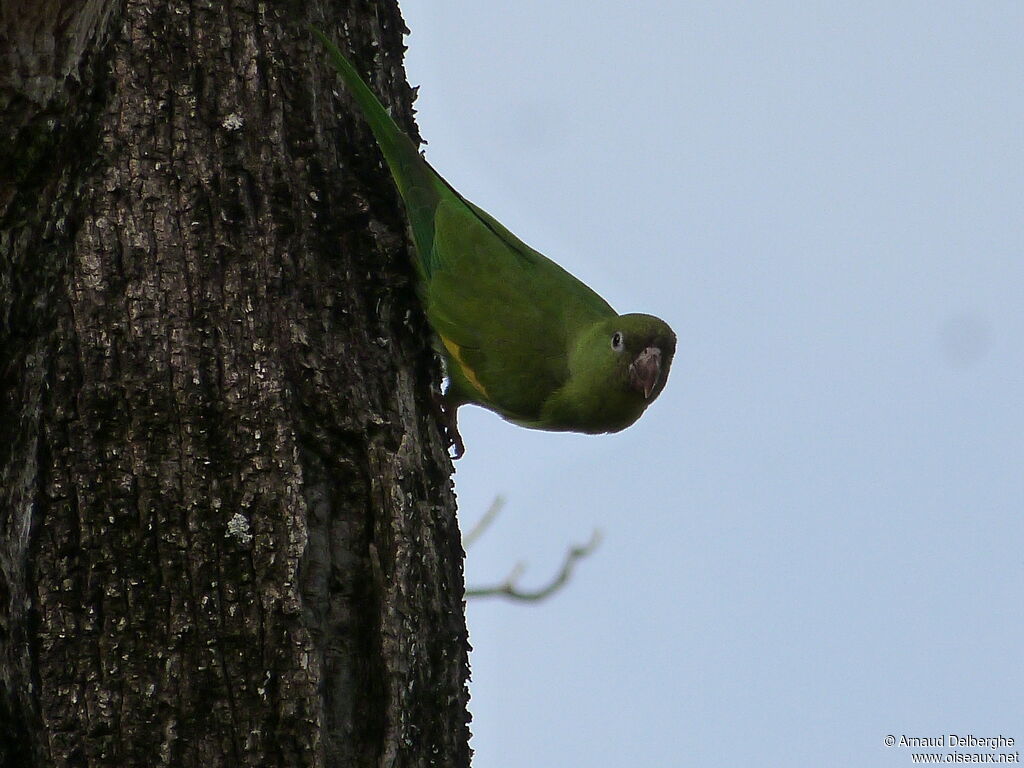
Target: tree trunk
x=227 y=530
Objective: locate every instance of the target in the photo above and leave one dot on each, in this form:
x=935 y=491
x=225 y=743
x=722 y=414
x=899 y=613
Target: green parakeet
x=520 y=335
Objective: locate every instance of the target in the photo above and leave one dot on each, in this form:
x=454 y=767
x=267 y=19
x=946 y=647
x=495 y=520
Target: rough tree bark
x=227 y=531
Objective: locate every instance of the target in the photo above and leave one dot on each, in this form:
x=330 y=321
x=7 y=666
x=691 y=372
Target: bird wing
x=505 y=313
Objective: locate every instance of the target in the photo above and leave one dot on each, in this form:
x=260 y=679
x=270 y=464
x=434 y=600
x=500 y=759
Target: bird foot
x=448 y=416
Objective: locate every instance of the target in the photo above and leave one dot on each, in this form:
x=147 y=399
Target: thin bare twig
x=508 y=587
x=481 y=525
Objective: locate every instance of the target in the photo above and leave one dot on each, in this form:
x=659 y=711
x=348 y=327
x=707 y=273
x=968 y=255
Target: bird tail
x=417 y=182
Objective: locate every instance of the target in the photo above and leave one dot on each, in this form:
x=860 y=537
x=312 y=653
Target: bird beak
x=645 y=371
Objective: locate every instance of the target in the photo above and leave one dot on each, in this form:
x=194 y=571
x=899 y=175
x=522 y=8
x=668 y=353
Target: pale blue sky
x=814 y=538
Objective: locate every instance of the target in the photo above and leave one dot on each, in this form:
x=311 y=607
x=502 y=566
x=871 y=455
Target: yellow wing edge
x=455 y=351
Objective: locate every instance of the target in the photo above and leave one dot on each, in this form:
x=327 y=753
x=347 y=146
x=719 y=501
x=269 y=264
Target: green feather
x=520 y=335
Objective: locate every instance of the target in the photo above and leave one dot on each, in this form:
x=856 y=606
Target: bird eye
x=617 y=341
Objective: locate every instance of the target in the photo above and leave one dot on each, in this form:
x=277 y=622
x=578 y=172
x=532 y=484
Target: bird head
x=619 y=368
x=644 y=346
